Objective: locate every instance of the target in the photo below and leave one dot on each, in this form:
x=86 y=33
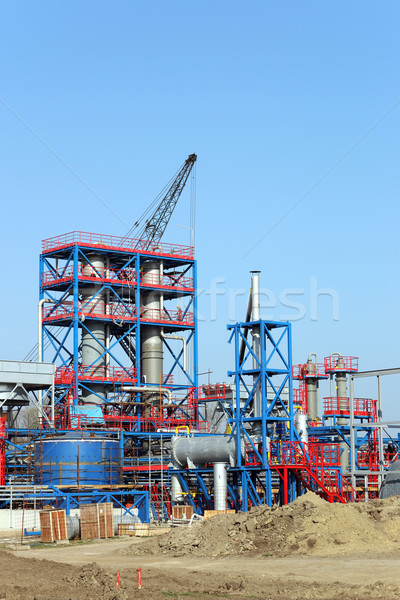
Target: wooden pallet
x=141 y=529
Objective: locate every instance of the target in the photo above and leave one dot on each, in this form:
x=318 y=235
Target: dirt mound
x=308 y=526
x=101 y=584
x=32 y=579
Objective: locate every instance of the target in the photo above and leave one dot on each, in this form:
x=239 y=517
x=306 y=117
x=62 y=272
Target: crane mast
x=156 y=225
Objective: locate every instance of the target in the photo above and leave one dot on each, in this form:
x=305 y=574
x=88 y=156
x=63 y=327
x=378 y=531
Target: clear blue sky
x=269 y=95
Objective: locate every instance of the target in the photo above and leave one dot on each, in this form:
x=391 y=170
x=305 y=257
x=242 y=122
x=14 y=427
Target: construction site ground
x=309 y=550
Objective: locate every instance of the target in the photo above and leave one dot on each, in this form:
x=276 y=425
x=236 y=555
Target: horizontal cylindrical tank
x=73 y=527
x=195 y=451
x=124 y=520
x=74 y=459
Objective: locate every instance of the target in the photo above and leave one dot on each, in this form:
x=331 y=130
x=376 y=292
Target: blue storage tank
x=77 y=459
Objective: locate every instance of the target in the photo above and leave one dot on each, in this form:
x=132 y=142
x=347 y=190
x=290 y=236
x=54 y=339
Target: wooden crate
x=90 y=521
x=53 y=525
x=126 y=529
x=106 y=520
x=140 y=529
x=182 y=512
x=211 y=513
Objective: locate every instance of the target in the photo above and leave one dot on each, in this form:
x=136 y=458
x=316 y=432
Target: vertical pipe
x=220 y=485
x=176 y=489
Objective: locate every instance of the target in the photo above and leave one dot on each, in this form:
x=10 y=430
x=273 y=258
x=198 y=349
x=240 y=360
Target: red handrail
x=117 y=243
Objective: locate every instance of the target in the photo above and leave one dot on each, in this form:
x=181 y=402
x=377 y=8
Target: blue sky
x=270 y=95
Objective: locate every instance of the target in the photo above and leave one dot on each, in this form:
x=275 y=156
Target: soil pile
x=101 y=584
x=32 y=579
x=308 y=526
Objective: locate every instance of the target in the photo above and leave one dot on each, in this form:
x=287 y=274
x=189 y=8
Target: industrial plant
x=117 y=414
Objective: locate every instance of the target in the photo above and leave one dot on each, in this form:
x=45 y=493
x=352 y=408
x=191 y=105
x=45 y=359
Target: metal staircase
x=315 y=466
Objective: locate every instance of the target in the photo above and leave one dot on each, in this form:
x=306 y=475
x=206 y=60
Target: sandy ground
x=78 y=571
x=310 y=550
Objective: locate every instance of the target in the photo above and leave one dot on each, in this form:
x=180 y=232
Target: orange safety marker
x=118 y=579
x=139 y=574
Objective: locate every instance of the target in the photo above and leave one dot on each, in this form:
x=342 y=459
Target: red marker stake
x=139 y=574
x=118 y=579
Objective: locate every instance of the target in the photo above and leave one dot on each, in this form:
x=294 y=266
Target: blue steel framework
x=250 y=481
x=70 y=500
x=66 y=272
x=62 y=281
x=271 y=372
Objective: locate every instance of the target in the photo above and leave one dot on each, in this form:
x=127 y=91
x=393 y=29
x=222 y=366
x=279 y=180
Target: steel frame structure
x=271 y=371
x=375 y=427
x=62 y=281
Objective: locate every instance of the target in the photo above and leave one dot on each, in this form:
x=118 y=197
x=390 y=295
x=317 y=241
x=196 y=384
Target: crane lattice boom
x=157 y=223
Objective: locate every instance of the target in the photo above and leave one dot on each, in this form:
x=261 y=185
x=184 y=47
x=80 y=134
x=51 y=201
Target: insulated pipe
x=40 y=326
x=220 y=485
x=255 y=309
x=197 y=451
x=300 y=421
x=183 y=340
x=176 y=489
x=312 y=388
x=150 y=390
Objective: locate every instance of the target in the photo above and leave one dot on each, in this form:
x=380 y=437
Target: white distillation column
x=93 y=347
x=255 y=316
x=342 y=400
x=151 y=341
x=312 y=390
